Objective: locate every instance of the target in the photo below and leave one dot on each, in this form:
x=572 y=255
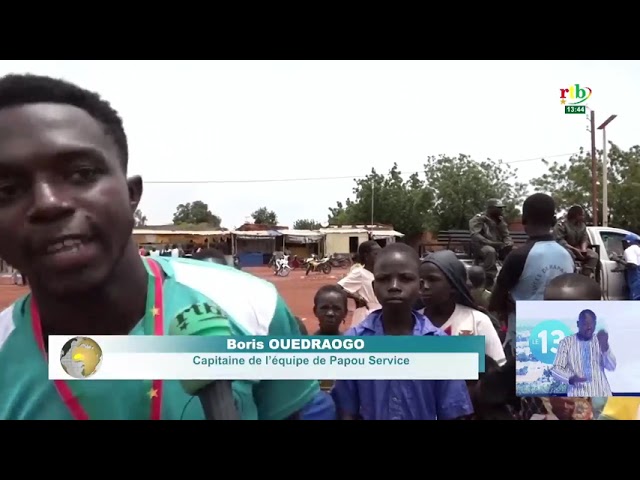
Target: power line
x=309 y=179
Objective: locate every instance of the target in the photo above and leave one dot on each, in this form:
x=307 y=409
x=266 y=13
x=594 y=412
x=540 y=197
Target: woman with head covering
x=448 y=303
x=632 y=262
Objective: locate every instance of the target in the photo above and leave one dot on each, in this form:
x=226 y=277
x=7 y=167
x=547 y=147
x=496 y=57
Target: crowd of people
x=66 y=221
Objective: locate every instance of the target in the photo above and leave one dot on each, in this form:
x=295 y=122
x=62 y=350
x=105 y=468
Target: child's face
x=397 y=281
x=434 y=286
x=330 y=310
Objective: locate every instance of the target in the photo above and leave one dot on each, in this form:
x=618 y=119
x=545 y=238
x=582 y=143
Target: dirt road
x=297 y=290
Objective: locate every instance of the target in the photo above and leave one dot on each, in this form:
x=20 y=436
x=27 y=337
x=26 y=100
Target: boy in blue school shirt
x=397 y=287
x=322 y=406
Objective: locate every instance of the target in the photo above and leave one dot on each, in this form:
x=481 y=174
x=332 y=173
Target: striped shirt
x=584 y=359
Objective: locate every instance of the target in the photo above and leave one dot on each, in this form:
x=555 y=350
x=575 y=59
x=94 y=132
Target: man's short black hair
x=539 y=209
x=477 y=276
x=403 y=248
x=365 y=248
x=574 y=211
x=587 y=287
x=585 y=313
x=25 y=89
x=330 y=289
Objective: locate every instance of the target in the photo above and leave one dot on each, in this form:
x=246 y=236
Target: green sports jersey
x=253 y=306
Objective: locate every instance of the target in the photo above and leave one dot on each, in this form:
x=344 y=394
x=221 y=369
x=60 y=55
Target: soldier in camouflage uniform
x=490 y=239
x=571 y=233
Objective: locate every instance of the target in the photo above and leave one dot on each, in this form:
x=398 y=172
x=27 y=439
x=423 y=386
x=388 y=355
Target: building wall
x=339 y=242
x=179 y=239
x=301 y=251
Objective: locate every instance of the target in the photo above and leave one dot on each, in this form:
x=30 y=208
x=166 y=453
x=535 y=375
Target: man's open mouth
x=70 y=252
x=67 y=245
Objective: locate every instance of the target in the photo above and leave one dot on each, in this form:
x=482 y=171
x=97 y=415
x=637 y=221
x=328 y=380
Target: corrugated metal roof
x=385 y=233
x=342 y=231
x=202 y=233
x=257 y=233
x=302 y=233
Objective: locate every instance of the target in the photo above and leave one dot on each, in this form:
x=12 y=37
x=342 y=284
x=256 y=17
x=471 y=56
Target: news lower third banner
x=169 y=357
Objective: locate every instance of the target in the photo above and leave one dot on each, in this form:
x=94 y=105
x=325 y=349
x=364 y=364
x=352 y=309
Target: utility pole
x=594 y=170
x=605 y=170
x=373 y=193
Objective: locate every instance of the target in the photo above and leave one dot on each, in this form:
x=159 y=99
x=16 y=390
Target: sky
x=233 y=121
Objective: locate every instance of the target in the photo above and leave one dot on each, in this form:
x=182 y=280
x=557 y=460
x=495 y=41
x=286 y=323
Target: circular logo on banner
x=81 y=357
x=545 y=338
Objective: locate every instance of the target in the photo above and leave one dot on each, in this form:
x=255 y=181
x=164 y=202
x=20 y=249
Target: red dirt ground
x=296 y=289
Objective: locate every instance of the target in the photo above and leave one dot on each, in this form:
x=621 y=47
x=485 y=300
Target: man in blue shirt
x=397 y=287
x=527 y=271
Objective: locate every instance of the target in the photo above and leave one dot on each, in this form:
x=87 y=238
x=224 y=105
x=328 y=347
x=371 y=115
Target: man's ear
x=134 y=185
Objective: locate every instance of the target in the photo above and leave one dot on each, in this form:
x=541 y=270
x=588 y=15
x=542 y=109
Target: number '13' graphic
x=545 y=338
x=555 y=336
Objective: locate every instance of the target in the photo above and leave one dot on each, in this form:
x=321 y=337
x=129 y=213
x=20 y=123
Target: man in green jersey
x=66 y=218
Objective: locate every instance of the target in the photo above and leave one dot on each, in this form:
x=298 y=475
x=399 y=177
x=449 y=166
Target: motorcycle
x=281 y=266
x=305 y=263
x=316 y=265
x=340 y=261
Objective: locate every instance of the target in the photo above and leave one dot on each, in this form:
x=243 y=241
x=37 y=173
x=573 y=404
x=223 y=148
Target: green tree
x=462 y=187
x=570 y=184
x=403 y=203
x=194 y=213
x=264 y=216
x=306 y=224
x=139 y=219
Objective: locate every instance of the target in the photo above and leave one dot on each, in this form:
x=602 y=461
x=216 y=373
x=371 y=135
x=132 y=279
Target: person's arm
x=352 y=284
x=583 y=243
x=504 y=233
x=452 y=400
x=476 y=227
x=507 y=280
x=345 y=395
x=283 y=399
x=630 y=258
x=560 y=234
x=492 y=343
x=561 y=370
x=608 y=360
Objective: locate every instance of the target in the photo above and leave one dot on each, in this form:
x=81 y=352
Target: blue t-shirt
x=252 y=305
x=401 y=399
x=322 y=407
x=527 y=270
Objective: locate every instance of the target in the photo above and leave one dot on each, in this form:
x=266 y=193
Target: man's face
x=397 y=282
x=372 y=255
x=66 y=208
x=495 y=212
x=587 y=326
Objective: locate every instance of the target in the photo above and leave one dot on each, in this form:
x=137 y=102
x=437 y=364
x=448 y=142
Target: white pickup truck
x=608 y=243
